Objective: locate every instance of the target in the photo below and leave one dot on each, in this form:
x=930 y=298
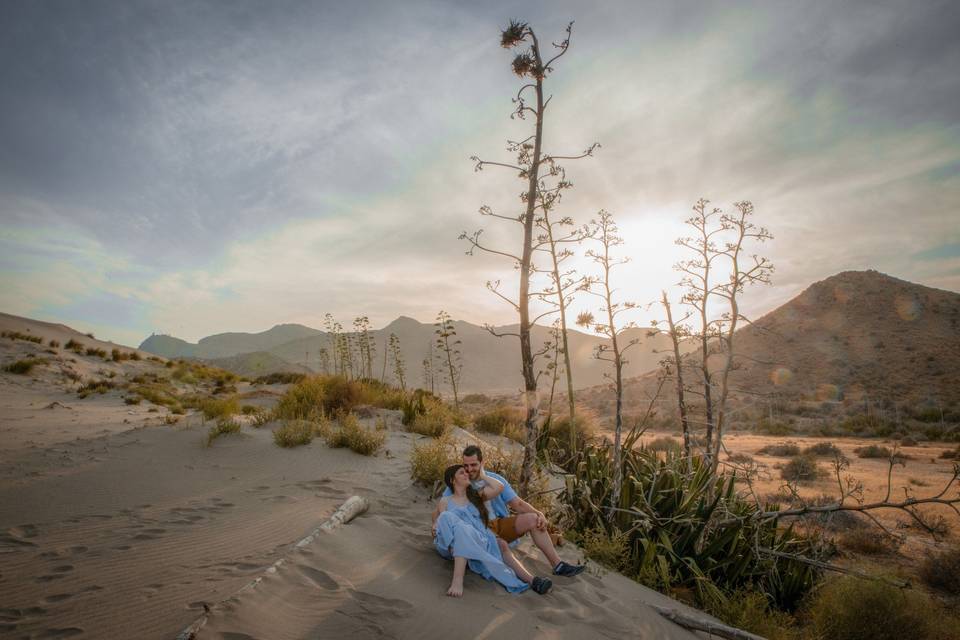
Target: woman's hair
x=472 y=495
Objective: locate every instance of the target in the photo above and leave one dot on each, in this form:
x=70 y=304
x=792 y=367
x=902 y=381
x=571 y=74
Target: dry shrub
x=869 y=541
x=507 y=463
x=610 y=550
x=429 y=459
x=740 y=458
x=502 y=421
x=663 y=443
x=354 y=436
x=295 y=433
x=555 y=434
x=316 y=396
x=223 y=427
x=751 y=611
x=23 y=367
x=434 y=422
x=213 y=408
x=855 y=609
x=827 y=449
x=941 y=570
x=801 y=469
x=783 y=449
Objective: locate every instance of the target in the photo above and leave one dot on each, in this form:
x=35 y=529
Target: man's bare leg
x=512 y=562
x=527 y=523
x=456 y=585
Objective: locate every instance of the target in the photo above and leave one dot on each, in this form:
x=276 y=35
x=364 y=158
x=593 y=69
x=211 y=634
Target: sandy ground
x=115 y=525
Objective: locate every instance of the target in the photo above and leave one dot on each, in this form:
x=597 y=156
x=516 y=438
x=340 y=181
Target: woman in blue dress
x=460 y=532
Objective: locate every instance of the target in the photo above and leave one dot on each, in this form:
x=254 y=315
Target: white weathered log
x=696 y=624
x=354 y=506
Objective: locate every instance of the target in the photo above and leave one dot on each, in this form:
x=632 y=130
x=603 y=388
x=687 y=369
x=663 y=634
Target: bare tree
x=399 y=370
x=606 y=234
x=674 y=365
x=531 y=165
x=334 y=331
x=449 y=353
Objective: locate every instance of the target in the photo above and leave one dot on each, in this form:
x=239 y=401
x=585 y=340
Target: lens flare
x=781 y=376
x=907 y=308
x=827 y=391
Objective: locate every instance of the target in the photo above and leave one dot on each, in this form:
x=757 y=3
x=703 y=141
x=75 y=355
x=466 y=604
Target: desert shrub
x=740 y=458
x=90 y=335
x=506 y=462
x=822 y=449
x=429 y=459
x=434 y=422
x=475 y=398
x=294 y=433
x=118 y=356
x=555 y=433
x=801 y=469
x=773 y=428
x=379 y=394
x=320 y=395
x=16 y=335
x=132 y=400
x=100 y=353
x=941 y=570
x=353 y=435
x=170 y=419
x=133 y=355
x=606 y=549
x=502 y=421
x=867 y=425
x=784 y=449
x=95 y=386
x=261 y=417
x=183 y=373
x=280 y=377
x=877 y=451
x=223 y=427
x=951 y=454
x=750 y=610
x=869 y=541
x=663 y=443
x=855 y=609
x=249 y=409
x=24 y=366
x=213 y=408
x=908 y=441
x=73 y=345
x=156 y=393
x=54 y=344
x=177 y=409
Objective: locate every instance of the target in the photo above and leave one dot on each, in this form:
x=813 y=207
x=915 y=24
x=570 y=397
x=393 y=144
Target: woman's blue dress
x=460 y=530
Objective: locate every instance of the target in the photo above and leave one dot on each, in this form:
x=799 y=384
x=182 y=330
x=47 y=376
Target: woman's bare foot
x=456 y=588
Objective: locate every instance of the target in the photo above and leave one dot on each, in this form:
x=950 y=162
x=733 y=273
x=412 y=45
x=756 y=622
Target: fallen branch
x=696 y=624
x=354 y=506
x=900 y=584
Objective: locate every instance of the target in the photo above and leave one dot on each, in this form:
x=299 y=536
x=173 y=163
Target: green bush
x=856 y=609
x=784 y=449
x=24 y=366
x=295 y=433
x=351 y=434
x=801 y=469
x=213 y=408
x=223 y=427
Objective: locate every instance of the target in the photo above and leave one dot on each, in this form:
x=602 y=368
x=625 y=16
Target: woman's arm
x=492 y=487
x=440 y=508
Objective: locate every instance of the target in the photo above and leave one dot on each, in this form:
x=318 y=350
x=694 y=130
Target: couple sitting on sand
x=472 y=524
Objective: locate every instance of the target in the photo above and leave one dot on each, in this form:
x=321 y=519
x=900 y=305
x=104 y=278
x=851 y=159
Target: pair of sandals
x=565 y=569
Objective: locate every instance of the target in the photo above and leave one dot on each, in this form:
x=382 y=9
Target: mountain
x=256 y=364
x=858 y=336
x=223 y=345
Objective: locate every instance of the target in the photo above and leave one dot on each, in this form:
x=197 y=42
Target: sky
x=192 y=168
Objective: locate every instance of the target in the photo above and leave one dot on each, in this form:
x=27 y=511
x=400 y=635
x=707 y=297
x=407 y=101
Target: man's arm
x=492 y=487
x=519 y=505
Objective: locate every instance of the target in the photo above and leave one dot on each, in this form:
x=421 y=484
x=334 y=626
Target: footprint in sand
x=66 y=632
x=58 y=597
x=378 y=606
x=64 y=568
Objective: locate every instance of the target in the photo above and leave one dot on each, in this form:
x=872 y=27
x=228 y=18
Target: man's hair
x=473 y=450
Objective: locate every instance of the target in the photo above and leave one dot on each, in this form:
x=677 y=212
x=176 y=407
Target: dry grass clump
x=354 y=436
x=505 y=462
x=502 y=421
x=740 y=458
x=878 y=451
x=223 y=427
x=941 y=570
x=826 y=449
x=434 y=422
x=294 y=433
x=158 y=393
x=555 y=433
x=783 y=449
x=16 y=335
x=801 y=469
x=214 y=408
x=855 y=609
x=773 y=428
x=609 y=550
x=316 y=396
x=99 y=353
x=54 y=344
x=24 y=366
x=429 y=459
x=280 y=377
x=951 y=454
x=73 y=345
x=95 y=386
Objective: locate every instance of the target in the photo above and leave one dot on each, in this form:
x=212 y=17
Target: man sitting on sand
x=509 y=527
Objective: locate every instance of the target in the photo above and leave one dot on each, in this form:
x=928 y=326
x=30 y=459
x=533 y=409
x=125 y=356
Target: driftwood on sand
x=697 y=624
x=354 y=506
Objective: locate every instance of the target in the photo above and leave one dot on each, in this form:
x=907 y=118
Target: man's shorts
x=505 y=528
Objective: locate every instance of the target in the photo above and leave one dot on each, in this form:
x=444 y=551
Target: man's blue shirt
x=498 y=504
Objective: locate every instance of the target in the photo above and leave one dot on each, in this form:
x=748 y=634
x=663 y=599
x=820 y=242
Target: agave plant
x=687 y=527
